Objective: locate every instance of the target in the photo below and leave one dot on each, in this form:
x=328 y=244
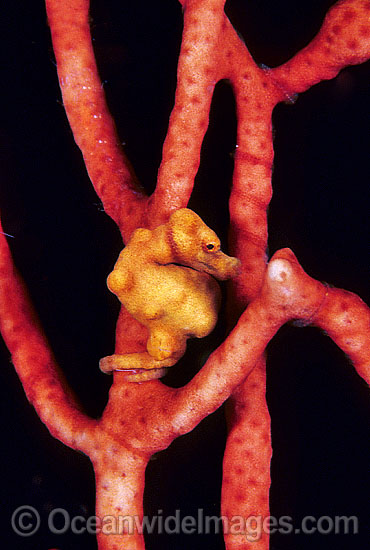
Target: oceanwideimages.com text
x=26 y=521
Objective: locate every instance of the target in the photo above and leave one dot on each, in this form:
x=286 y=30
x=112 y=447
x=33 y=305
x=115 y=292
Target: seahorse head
x=195 y=245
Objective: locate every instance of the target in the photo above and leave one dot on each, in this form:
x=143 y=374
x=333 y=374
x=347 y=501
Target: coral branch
x=346 y=319
x=199 y=69
x=42 y=380
x=287 y=293
x=120 y=478
x=343 y=40
x=246 y=480
x=88 y=115
x=257 y=92
x=255 y=95
x=141 y=419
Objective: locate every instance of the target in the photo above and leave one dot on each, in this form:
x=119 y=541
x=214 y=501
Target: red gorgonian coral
x=140 y=420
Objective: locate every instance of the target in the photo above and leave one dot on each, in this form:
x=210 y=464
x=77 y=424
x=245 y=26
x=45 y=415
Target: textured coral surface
x=319 y=406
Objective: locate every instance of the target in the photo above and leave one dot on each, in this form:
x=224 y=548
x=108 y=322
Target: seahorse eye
x=211 y=245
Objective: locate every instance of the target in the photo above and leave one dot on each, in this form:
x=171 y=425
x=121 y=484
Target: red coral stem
x=344 y=39
x=89 y=117
x=41 y=378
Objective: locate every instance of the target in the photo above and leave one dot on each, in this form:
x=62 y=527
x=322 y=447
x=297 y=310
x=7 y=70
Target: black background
x=64 y=246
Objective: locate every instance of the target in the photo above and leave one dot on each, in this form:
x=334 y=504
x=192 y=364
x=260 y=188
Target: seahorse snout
x=221 y=266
